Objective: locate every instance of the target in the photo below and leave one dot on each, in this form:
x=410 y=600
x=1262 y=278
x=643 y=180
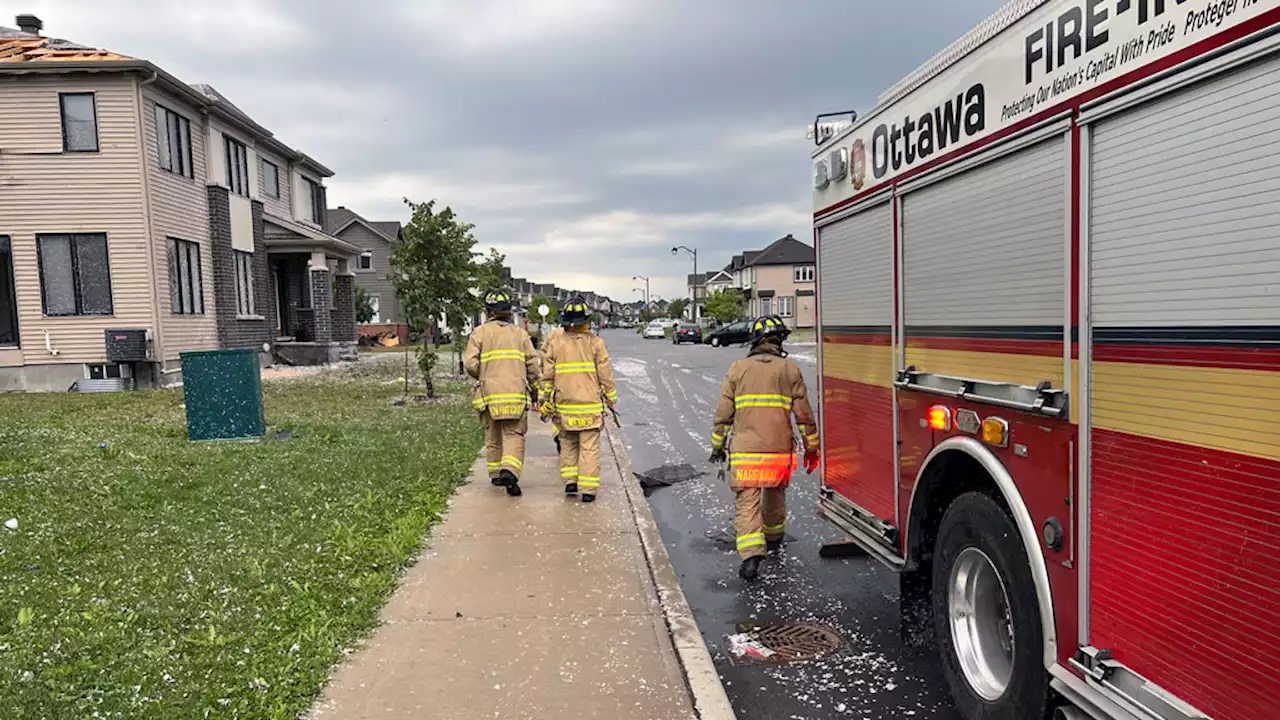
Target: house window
x=373 y=301
x=8 y=296
x=270 y=179
x=237 y=166
x=803 y=273
x=173 y=141
x=315 y=202
x=766 y=306
x=74 y=275
x=79 y=122
x=186 y=283
x=244 y=283
x=366 y=261
x=786 y=306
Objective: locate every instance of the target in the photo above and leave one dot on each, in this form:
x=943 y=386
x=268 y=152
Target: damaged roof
x=17 y=46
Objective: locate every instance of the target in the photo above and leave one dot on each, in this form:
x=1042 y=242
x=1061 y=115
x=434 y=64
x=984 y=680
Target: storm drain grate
x=782 y=644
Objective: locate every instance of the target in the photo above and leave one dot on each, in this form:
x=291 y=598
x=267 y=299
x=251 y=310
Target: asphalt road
x=666 y=399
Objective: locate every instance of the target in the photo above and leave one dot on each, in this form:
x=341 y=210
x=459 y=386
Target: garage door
x=1185 y=391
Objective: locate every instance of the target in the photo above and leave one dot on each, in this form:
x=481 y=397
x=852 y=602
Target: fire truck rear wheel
x=986 y=615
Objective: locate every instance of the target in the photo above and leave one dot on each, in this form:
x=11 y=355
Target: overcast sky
x=583 y=138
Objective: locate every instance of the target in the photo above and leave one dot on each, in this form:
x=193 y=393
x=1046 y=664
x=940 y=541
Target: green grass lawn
x=156 y=578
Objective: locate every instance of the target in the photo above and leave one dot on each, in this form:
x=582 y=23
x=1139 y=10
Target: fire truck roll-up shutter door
x=984 y=261
x=1184 y=277
x=855 y=278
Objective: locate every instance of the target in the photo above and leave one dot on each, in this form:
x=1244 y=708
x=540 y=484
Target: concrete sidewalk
x=535 y=607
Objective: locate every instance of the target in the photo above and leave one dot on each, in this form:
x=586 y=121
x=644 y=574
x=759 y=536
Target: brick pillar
x=321 y=305
x=264 y=285
x=224 y=272
x=344 y=307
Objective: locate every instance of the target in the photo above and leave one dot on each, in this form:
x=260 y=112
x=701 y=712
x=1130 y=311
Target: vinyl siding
x=376 y=281
x=179 y=210
x=281 y=207
x=43 y=190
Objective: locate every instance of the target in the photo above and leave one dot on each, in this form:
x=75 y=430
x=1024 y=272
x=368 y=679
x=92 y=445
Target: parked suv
x=687 y=332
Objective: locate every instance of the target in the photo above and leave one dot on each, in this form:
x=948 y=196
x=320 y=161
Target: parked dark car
x=731 y=334
x=686 y=332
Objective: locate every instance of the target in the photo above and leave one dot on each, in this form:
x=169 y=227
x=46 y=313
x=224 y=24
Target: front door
x=8 y=298
x=282 y=297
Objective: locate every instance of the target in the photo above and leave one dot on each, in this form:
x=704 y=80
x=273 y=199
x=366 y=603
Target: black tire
x=974 y=520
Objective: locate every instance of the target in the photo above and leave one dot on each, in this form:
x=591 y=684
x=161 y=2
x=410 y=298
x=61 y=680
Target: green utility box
x=223 y=392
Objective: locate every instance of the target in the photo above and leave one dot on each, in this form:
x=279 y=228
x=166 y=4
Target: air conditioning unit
x=132 y=345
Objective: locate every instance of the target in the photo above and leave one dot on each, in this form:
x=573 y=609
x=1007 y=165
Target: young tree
x=435 y=265
x=725 y=306
x=676 y=309
x=487 y=272
x=364 y=306
x=540 y=299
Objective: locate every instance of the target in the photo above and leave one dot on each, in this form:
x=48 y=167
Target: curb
x=710 y=702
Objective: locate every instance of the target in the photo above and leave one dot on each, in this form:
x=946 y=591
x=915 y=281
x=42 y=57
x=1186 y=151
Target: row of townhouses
x=777 y=280
x=133 y=204
x=525 y=290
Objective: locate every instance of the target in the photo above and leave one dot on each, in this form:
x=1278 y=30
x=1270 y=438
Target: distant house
x=781 y=282
x=718 y=281
x=372 y=268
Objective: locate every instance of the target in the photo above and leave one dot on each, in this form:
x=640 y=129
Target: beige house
x=131 y=201
x=778 y=280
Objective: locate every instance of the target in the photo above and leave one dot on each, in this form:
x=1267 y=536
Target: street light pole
x=646 y=287
x=696 y=285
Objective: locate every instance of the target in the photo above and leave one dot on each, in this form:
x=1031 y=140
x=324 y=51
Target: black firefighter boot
x=508 y=479
x=571 y=488
x=750 y=569
x=588 y=497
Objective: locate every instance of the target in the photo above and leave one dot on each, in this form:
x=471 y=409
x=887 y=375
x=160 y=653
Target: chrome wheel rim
x=981 y=624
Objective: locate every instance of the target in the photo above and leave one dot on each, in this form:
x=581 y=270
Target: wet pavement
x=666 y=399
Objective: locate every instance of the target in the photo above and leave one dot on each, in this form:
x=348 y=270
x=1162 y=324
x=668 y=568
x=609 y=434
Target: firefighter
x=759 y=395
x=500 y=356
x=577 y=385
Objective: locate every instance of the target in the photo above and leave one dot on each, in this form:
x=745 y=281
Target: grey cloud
x=577 y=137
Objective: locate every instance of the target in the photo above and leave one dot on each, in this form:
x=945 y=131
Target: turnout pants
x=504 y=444
x=760 y=516
x=580 y=459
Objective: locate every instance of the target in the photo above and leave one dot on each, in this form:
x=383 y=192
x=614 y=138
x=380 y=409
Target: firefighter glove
x=718 y=455
x=811 y=459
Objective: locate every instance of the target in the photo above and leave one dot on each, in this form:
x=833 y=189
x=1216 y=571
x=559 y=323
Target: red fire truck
x=1049 y=300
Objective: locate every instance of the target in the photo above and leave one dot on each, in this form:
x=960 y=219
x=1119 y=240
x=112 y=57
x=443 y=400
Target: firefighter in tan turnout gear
x=577 y=386
x=501 y=357
x=753 y=432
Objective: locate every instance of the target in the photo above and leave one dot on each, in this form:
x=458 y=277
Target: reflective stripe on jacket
x=758 y=397
x=500 y=356
x=577 y=379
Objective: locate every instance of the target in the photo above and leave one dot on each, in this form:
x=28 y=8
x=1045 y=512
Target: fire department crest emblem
x=858 y=164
